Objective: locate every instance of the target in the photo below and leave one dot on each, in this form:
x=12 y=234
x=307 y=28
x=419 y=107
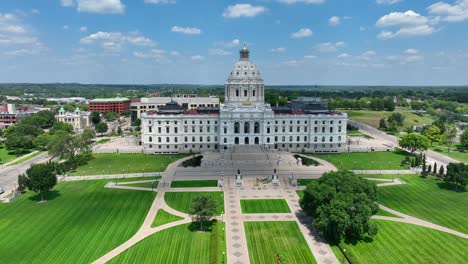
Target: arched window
x=167 y=139
x=323 y=139
x=225 y=140
x=150 y=139
x=159 y=139
x=268 y=140
x=201 y=139
x=253 y=93
x=216 y=139
x=246 y=127
x=276 y=138
x=208 y=139
x=283 y=138
x=185 y=139
x=331 y=139
x=298 y=139
x=193 y=139
x=315 y=139
x=237 y=91
x=256 y=128
x=245 y=93
x=236 y=128
x=175 y=139
x=305 y=138
x=331 y=129
x=339 y=138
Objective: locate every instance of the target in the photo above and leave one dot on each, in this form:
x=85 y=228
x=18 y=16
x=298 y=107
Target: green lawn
x=125 y=163
x=397 y=243
x=372 y=118
x=119 y=180
x=300 y=194
x=264 y=206
x=385 y=213
x=367 y=160
x=423 y=198
x=153 y=184
x=26 y=158
x=181 y=201
x=266 y=240
x=194 y=184
x=304 y=182
x=6 y=155
x=79 y=223
x=163 y=217
x=455 y=151
x=180 y=244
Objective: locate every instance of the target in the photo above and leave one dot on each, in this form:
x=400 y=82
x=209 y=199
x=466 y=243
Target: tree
x=42 y=119
x=41 y=178
x=382 y=124
x=464 y=139
x=341 y=204
x=441 y=171
x=66 y=146
x=432 y=133
x=203 y=208
x=42 y=140
x=95 y=117
x=457 y=174
x=396 y=117
x=449 y=135
x=414 y=142
x=101 y=128
x=434 y=171
x=389 y=104
x=22 y=181
x=119 y=130
x=61 y=126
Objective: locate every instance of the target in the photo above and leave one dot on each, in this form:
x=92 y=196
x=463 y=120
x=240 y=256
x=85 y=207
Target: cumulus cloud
x=329 y=46
x=278 y=50
x=160 y=1
x=310 y=56
x=14 y=33
x=290 y=2
x=114 y=41
x=334 y=21
x=186 y=30
x=411 y=51
x=154 y=54
x=388 y=2
x=451 y=13
x=83 y=29
x=302 y=33
x=243 y=10
x=219 y=52
x=229 y=44
x=409 y=24
x=96 y=6
x=197 y=58
x=343 y=56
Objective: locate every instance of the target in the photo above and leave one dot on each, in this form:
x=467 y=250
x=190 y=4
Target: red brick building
x=115 y=105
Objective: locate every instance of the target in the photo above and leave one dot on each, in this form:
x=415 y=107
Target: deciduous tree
x=203 y=208
x=432 y=133
x=41 y=178
x=414 y=142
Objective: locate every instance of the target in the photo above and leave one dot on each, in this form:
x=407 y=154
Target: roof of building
x=108 y=100
x=244 y=68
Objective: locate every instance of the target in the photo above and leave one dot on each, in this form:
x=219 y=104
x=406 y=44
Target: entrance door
x=257 y=141
x=246 y=141
x=236 y=141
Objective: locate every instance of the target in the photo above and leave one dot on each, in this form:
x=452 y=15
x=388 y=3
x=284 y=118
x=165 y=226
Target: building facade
x=9 y=115
x=80 y=120
x=305 y=124
x=114 y=105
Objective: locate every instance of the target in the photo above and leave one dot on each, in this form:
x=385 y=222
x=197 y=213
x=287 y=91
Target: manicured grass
x=179 y=244
x=264 y=206
x=300 y=194
x=80 y=222
x=372 y=118
x=149 y=185
x=404 y=243
x=385 y=213
x=163 y=217
x=367 y=160
x=182 y=201
x=455 y=151
x=305 y=182
x=125 y=163
x=119 y=180
x=26 y=158
x=6 y=155
x=194 y=184
x=266 y=240
x=357 y=133
x=423 y=198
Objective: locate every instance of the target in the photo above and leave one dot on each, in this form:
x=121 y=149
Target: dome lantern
x=244 y=53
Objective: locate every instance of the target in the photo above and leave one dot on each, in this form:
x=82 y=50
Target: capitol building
x=244 y=118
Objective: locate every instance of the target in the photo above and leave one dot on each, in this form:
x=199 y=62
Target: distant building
x=9 y=115
x=69 y=99
x=190 y=101
x=78 y=119
x=117 y=105
x=305 y=124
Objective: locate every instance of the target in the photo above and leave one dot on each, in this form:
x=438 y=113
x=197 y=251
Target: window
x=208 y=129
x=185 y=139
x=323 y=139
x=236 y=128
x=150 y=139
x=225 y=130
x=159 y=130
x=276 y=129
x=305 y=138
x=193 y=139
x=167 y=139
x=268 y=130
x=215 y=139
x=159 y=139
x=283 y=139
x=315 y=129
x=331 y=139
x=298 y=129
x=323 y=129
x=298 y=139
x=284 y=129
x=290 y=129
x=175 y=140
x=246 y=128
x=175 y=130
x=193 y=129
x=245 y=93
x=331 y=129
x=256 y=128
x=253 y=93
x=290 y=138
x=167 y=130
x=276 y=138
x=305 y=129
x=225 y=140
x=323 y=122
x=339 y=129
x=185 y=129
x=208 y=139
x=315 y=122
x=201 y=139
x=201 y=129
x=237 y=90
x=150 y=129
x=339 y=138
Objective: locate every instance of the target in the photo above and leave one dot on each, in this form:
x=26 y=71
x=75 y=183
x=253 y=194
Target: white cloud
x=329 y=46
x=219 y=52
x=152 y=54
x=278 y=50
x=334 y=21
x=83 y=29
x=230 y=44
x=290 y=2
x=409 y=23
x=21 y=52
x=197 y=58
x=14 y=33
x=114 y=41
x=243 y=10
x=9 y=23
x=160 y=1
x=186 y=30
x=96 y=6
x=411 y=51
x=310 y=56
x=361 y=28
x=451 y=13
x=369 y=53
x=388 y=2
x=175 y=53
x=292 y=63
x=302 y=33
x=35 y=11
x=65 y=27
x=343 y=56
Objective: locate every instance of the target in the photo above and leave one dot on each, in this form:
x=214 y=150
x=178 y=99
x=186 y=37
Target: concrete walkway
x=108 y=176
x=395 y=172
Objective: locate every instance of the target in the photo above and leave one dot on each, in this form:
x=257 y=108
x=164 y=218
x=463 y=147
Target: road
x=377 y=134
x=9 y=174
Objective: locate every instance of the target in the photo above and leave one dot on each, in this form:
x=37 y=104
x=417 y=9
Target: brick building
x=116 y=105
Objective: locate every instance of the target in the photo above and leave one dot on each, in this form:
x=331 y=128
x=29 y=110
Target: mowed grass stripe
x=80 y=224
x=264 y=206
x=423 y=198
x=194 y=184
x=403 y=243
x=174 y=245
x=266 y=239
x=182 y=201
x=163 y=217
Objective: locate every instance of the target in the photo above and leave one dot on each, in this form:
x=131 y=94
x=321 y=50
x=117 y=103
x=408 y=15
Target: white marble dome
x=244 y=69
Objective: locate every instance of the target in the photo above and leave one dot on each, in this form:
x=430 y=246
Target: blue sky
x=307 y=42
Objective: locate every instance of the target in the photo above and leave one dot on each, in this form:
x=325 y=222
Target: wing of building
x=305 y=124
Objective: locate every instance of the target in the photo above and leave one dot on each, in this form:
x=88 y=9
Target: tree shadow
x=355 y=241
x=450 y=186
x=49 y=196
x=195 y=226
